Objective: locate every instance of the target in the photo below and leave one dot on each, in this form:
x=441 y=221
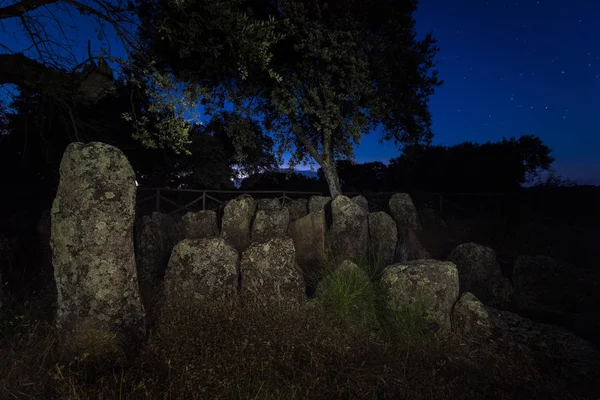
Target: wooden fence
x=173 y=201
x=194 y=199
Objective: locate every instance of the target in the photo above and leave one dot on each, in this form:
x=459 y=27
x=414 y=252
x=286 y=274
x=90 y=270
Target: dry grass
x=239 y=351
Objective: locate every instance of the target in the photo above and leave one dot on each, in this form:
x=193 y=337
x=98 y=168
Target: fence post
x=441 y=205
x=204 y=200
x=157 y=200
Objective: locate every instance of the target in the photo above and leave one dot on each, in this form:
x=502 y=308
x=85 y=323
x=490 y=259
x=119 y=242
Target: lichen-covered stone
x=155 y=237
x=409 y=247
x=298 y=208
x=268 y=204
x=308 y=235
x=237 y=221
x=361 y=201
x=318 y=203
x=270 y=274
x=92 y=243
x=270 y=223
x=349 y=233
x=404 y=212
x=479 y=273
x=431 y=286
x=203 y=269
x=471 y=319
x=200 y=225
x=383 y=237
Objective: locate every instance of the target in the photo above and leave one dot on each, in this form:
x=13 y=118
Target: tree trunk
x=332 y=178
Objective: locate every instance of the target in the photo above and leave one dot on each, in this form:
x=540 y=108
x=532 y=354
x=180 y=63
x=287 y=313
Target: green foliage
x=347 y=67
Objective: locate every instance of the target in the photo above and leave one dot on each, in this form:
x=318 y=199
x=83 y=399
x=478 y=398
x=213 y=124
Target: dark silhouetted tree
x=347 y=68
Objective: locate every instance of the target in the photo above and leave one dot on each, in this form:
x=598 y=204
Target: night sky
x=509 y=69
x=515 y=68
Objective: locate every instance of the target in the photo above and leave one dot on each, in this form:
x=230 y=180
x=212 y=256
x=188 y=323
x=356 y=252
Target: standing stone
x=268 y=204
x=200 y=225
x=270 y=223
x=382 y=238
x=298 y=208
x=318 y=203
x=270 y=274
x=429 y=287
x=308 y=235
x=361 y=201
x=155 y=237
x=404 y=212
x=93 y=250
x=349 y=234
x=409 y=247
x=480 y=274
x=202 y=269
x=471 y=319
x=237 y=221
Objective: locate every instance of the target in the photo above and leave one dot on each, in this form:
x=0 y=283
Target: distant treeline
x=503 y=166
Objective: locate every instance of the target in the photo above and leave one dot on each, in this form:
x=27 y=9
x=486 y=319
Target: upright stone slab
x=93 y=252
x=204 y=269
x=383 y=237
x=308 y=235
x=349 y=234
x=155 y=237
x=200 y=225
x=270 y=274
x=428 y=287
x=298 y=208
x=237 y=221
x=318 y=203
x=361 y=201
x=270 y=223
x=404 y=212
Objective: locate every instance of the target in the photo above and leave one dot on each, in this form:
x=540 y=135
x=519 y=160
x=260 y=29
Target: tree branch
x=23 y=7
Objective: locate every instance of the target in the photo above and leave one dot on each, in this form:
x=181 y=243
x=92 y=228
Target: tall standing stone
x=93 y=251
x=318 y=203
x=349 y=234
x=383 y=237
x=404 y=212
x=237 y=221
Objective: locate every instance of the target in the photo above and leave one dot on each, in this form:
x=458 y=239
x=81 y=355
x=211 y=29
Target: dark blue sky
x=515 y=68
x=510 y=69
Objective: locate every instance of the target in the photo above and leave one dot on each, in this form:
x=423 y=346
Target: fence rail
x=159 y=196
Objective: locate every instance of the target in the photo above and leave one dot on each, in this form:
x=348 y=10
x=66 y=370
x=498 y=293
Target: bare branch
x=23 y=7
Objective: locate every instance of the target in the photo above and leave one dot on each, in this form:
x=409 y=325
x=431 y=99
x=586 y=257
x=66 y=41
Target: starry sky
x=509 y=69
x=512 y=69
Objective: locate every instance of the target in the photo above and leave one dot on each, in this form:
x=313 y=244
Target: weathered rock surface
x=308 y=235
x=298 y=208
x=270 y=274
x=202 y=268
x=383 y=238
x=480 y=274
x=268 y=204
x=155 y=237
x=361 y=201
x=270 y=223
x=471 y=318
x=199 y=225
x=429 y=287
x=318 y=203
x=409 y=247
x=404 y=212
x=237 y=221
x=93 y=249
x=349 y=233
